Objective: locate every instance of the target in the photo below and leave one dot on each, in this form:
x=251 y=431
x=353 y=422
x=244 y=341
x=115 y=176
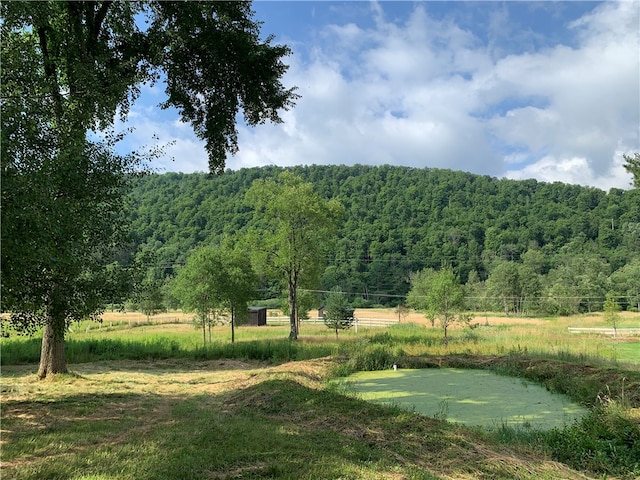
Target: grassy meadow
x=146 y=400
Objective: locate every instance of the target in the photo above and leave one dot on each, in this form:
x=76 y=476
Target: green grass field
x=150 y=402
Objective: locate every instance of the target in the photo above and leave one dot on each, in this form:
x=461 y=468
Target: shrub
x=368 y=356
x=605 y=441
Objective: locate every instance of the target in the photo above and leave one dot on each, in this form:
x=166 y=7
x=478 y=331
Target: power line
x=500 y=298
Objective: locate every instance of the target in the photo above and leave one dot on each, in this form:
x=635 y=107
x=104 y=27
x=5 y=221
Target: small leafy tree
x=151 y=301
x=237 y=282
x=446 y=300
x=196 y=288
x=417 y=298
x=148 y=288
x=505 y=283
x=338 y=314
x=403 y=312
x=443 y=298
x=611 y=313
x=215 y=281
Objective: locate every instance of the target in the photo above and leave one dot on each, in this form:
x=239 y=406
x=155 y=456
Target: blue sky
x=544 y=90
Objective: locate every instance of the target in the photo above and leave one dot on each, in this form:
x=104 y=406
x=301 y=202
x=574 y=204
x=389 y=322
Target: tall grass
x=120 y=342
x=90 y=350
x=606 y=441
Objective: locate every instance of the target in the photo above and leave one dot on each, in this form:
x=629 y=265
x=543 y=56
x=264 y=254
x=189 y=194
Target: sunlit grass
x=546 y=337
x=491 y=336
x=227 y=419
x=147 y=401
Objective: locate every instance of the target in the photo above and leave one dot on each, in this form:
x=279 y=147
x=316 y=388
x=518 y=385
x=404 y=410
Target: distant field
x=493 y=334
x=628 y=319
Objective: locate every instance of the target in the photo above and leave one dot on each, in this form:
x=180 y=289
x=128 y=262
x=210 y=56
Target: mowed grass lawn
x=264 y=408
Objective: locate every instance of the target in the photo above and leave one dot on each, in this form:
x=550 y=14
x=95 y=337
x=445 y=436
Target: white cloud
x=429 y=93
x=593 y=95
x=576 y=170
x=397 y=99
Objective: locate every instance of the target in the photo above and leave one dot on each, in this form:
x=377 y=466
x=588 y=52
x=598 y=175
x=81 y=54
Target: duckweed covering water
x=471 y=397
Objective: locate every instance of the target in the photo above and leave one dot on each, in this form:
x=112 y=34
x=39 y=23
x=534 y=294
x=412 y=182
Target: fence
x=607 y=331
x=360 y=322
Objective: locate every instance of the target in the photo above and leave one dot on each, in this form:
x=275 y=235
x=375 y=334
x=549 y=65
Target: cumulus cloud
x=576 y=170
x=394 y=97
x=428 y=91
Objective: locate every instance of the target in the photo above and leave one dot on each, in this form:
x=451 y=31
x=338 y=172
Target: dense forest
x=547 y=247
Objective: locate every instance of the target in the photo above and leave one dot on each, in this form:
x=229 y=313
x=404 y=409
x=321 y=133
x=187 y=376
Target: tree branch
x=50 y=70
x=99 y=18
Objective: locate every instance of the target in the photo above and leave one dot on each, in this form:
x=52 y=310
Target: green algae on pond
x=471 y=397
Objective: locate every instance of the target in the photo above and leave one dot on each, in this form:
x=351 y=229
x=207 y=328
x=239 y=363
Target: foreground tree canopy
x=338 y=314
x=67 y=69
x=88 y=60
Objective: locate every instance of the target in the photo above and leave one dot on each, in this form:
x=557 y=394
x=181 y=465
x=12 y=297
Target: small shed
x=257 y=316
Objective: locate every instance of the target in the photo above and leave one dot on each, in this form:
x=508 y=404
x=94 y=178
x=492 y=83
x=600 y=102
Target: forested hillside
x=545 y=240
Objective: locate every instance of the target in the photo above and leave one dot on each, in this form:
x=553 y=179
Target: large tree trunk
x=52 y=354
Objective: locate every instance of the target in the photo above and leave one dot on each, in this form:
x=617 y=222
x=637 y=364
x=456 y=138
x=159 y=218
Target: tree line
x=519 y=246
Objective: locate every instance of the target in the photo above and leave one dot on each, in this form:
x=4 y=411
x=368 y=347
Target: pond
x=471 y=397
